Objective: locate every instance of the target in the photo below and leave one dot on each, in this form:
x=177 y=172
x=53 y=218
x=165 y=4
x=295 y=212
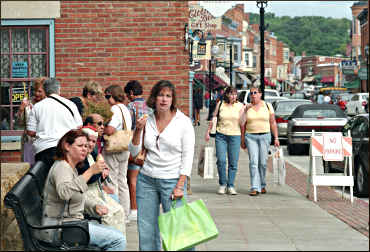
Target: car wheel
x=327 y=166
x=361 y=180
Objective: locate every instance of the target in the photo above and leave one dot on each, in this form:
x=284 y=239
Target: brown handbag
x=119 y=140
x=140 y=158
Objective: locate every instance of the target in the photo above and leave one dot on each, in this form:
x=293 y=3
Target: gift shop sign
x=19 y=69
x=333 y=148
x=202 y=19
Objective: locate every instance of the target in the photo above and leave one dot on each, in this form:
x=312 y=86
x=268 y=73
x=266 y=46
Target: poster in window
x=18 y=94
x=19 y=69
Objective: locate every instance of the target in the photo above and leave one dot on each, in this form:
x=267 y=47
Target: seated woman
x=116 y=215
x=64 y=186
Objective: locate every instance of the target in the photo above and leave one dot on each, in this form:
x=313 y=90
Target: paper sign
x=333 y=147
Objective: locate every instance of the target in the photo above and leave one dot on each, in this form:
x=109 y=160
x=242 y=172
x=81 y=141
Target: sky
x=334 y=9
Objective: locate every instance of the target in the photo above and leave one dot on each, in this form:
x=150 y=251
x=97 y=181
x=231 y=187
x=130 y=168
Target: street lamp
x=262 y=4
x=231 y=64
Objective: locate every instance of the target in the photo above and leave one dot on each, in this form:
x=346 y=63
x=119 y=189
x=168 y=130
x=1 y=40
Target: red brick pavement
x=355 y=215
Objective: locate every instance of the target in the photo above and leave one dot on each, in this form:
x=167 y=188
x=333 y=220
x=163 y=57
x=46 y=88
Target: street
x=301 y=162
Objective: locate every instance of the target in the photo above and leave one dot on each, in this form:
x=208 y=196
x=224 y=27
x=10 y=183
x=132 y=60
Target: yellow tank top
x=228 y=119
x=259 y=121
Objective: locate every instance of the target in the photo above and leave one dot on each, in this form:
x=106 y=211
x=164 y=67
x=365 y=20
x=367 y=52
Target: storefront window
x=24 y=57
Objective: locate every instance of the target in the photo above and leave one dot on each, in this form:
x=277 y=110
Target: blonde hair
x=92 y=87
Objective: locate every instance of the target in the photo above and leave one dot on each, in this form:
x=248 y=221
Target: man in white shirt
x=50 y=119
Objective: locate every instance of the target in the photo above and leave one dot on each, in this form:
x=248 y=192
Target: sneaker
x=222 y=190
x=133 y=215
x=231 y=191
x=263 y=190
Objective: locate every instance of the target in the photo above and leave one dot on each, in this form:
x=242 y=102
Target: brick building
x=363 y=73
x=110 y=42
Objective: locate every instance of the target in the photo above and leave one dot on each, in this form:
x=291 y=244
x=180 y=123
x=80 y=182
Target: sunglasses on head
x=108 y=96
x=254 y=92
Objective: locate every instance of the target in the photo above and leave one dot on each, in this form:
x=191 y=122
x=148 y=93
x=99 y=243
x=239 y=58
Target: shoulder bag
x=139 y=159
x=212 y=133
x=119 y=140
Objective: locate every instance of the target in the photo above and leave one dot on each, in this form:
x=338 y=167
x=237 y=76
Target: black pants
x=46 y=156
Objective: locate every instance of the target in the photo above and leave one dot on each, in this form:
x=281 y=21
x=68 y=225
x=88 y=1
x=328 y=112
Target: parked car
x=359 y=128
x=283 y=109
x=357 y=104
x=244 y=95
x=308 y=117
x=273 y=99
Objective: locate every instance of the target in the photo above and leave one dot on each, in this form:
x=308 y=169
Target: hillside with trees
x=314 y=34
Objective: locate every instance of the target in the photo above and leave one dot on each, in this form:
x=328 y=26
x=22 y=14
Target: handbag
x=206 y=164
x=278 y=166
x=140 y=158
x=186 y=226
x=119 y=140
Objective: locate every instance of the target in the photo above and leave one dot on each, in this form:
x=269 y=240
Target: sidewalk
x=283 y=219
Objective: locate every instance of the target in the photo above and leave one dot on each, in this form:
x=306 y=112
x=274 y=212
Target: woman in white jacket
x=169 y=141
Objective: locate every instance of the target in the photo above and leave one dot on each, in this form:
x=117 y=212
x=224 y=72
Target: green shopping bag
x=186 y=226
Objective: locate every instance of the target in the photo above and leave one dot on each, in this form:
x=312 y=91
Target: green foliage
x=314 y=34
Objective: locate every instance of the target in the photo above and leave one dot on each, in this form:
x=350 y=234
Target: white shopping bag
x=206 y=164
x=278 y=166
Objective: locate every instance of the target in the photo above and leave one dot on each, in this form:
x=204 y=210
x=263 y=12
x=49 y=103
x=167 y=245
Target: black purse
x=75 y=233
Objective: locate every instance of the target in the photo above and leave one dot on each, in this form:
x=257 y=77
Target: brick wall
x=10 y=156
x=113 y=42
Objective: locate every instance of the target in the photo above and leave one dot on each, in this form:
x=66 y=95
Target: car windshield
x=328 y=113
x=270 y=93
x=288 y=107
x=297 y=96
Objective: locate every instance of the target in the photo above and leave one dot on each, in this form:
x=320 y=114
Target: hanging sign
x=18 y=94
x=333 y=147
x=19 y=69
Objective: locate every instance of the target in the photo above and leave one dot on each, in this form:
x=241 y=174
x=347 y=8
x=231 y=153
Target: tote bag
x=206 y=162
x=186 y=226
x=278 y=166
x=119 y=140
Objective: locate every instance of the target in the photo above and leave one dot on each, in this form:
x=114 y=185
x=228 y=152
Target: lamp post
x=262 y=4
x=231 y=65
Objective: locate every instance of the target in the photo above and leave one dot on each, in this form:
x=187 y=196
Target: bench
x=25 y=199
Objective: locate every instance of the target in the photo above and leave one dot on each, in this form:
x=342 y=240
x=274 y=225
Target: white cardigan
x=176 y=148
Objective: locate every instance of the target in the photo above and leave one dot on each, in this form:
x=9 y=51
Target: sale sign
x=333 y=147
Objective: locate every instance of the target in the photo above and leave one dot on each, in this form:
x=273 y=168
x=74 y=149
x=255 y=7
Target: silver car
x=283 y=109
x=308 y=117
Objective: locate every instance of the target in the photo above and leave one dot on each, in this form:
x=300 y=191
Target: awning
x=220 y=72
x=308 y=79
x=327 y=79
x=244 y=78
x=353 y=84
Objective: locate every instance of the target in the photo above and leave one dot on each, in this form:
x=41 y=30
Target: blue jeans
x=231 y=146
x=150 y=193
x=106 y=237
x=258 y=146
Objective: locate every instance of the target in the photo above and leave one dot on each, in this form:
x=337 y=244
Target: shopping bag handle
x=173 y=205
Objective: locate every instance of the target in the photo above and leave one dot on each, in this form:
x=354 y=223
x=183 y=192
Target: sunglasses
x=254 y=92
x=108 y=96
x=100 y=123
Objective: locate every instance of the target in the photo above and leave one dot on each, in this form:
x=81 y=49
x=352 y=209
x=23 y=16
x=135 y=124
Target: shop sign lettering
x=201 y=19
x=18 y=95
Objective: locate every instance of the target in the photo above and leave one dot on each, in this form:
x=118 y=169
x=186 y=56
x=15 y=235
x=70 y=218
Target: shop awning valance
x=327 y=79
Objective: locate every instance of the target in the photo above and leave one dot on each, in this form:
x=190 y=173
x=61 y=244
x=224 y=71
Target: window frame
x=50 y=61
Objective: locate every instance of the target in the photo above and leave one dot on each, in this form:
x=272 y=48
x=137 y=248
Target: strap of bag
x=218 y=112
x=123 y=118
x=70 y=110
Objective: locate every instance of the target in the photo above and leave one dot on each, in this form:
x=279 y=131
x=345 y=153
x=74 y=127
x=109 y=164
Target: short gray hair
x=51 y=86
